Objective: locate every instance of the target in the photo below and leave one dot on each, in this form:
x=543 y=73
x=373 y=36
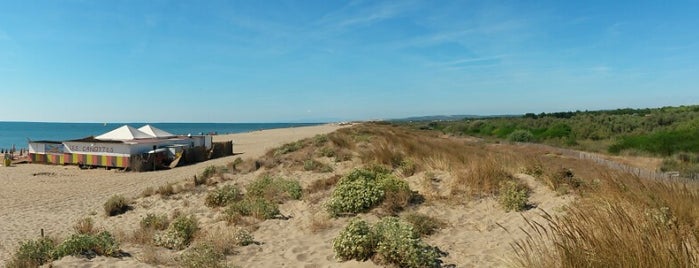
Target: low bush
x=513 y=196
x=313 y=165
x=208 y=172
x=179 y=234
x=390 y=241
x=84 y=226
x=407 y=167
x=397 y=194
x=276 y=189
x=364 y=189
x=223 y=196
x=521 y=135
x=400 y=245
x=424 y=225
x=202 y=255
x=259 y=208
x=116 y=205
x=355 y=242
x=32 y=253
x=357 y=192
x=288 y=148
x=320 y=140
x=101 y=244
x=243 y=237
x=326 y=152
x=155 y=222
x=148 y=192
x=166 y=190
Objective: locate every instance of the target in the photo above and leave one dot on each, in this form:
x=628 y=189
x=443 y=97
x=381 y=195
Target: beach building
x=129 y=148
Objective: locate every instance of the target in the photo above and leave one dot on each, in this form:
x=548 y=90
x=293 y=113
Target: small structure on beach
x=145 y=148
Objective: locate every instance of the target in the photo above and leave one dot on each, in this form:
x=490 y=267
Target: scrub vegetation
x=668 y=132
x=389 y=192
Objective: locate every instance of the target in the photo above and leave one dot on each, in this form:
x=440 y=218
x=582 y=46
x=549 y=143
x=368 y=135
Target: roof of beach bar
x=124 y=133
x=155 y=132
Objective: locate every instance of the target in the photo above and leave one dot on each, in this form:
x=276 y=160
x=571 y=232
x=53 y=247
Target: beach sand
x=53 y=198
x=478 y=234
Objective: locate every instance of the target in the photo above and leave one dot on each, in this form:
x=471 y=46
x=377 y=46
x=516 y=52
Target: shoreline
x=19 y=134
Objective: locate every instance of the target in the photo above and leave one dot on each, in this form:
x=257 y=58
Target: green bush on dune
x=362 y=189
x=390 y=241
x=179 y=234
x=33 y=253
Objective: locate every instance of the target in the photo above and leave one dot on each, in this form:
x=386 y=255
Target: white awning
x=155 y=132
x=124 y=133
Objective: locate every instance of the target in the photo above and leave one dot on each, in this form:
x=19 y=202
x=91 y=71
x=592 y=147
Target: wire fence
x=596 y=158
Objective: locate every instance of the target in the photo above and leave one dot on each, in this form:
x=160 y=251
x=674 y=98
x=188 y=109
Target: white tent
x=155 y=132
x=124 y=133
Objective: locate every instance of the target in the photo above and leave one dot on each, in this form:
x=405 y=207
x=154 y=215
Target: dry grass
x=624 y=222
x=222 y=241
x=166 y=190
x=320 y=222
x=85 y=226
x=148 y=192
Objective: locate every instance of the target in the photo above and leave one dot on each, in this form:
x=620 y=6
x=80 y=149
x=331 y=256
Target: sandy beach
x=52 y=198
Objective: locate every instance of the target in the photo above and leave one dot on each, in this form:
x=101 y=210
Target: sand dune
x=478 y=234
x=52 y=198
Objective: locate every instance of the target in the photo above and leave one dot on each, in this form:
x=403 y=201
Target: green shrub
x=390 y=242
x=102 y=244
x=422 y=224
x=288 y=148
x=513 y=196
x=155 y=222
x=33 y=253
x=407 y=167
x=208 y=173
x=202 y=256
x=362 y=189
x=179 y=234
x=116 y=205
x=320 y=139
x=400 y=245
x=357 y=192
x=397 y=193
x=355 y=242
x=521 y=135
x=327 y=152
x=243 y=237
x=234 y=165
x=259 y=208
x=274 y=188
x=313 y=165
x=223 y=196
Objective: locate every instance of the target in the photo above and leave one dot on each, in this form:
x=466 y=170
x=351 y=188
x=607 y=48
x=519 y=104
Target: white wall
x=100 y=148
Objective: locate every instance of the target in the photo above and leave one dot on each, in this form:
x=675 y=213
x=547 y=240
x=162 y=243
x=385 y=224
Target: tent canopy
x=124 y=133
x=155 y=132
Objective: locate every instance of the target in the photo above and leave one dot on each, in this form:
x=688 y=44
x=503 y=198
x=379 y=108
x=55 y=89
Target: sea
x=19 y=133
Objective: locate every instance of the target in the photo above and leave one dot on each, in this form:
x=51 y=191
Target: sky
x=309 y=61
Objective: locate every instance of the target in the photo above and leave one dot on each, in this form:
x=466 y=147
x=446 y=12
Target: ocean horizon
x=19 y=133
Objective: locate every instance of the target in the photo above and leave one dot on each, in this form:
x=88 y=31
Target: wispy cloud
x=475 y=61
x=358 y=14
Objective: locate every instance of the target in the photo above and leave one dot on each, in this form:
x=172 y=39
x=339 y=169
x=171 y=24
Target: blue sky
x=281 y=61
